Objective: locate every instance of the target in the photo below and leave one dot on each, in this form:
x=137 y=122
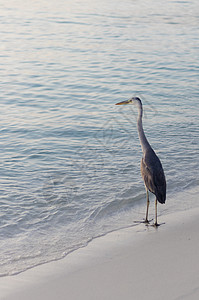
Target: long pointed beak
x=123 y=102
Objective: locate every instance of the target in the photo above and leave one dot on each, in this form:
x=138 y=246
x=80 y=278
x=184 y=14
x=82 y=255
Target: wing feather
x=153 y=175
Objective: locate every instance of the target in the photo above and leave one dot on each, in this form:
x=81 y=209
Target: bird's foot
x=156 y=225
x=146 y=221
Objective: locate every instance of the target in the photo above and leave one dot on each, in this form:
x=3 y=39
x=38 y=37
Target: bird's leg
x=147 y=208
x=156 y=213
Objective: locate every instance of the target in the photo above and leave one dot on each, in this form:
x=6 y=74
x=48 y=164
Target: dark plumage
x=153 y=175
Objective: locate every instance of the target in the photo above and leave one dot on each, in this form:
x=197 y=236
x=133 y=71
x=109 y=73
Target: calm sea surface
x=70 y=158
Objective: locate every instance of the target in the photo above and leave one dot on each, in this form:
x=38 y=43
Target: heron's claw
x=156 y=225
x=146 y=221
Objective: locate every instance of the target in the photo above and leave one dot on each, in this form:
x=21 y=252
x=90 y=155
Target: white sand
x=131 y=264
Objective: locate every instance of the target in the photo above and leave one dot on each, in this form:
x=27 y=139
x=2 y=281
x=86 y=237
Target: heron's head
x=134 y=100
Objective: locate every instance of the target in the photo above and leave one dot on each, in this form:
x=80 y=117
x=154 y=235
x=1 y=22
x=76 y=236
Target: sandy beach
x=138 y=262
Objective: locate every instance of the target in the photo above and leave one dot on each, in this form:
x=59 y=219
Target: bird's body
x=153 y=175
x=151 y=168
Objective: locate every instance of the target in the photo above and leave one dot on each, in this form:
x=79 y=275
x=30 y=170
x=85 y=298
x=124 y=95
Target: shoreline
x=138 y=262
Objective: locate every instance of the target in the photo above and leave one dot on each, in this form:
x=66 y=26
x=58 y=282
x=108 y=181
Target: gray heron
x=151 y=168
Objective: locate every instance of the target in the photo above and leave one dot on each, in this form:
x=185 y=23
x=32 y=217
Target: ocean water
x=70 y=158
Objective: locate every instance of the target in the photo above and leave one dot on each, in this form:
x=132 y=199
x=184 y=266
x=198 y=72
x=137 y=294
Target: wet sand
x=138 y=262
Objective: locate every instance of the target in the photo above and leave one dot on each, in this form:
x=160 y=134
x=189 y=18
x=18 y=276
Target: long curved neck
x=143 y=140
